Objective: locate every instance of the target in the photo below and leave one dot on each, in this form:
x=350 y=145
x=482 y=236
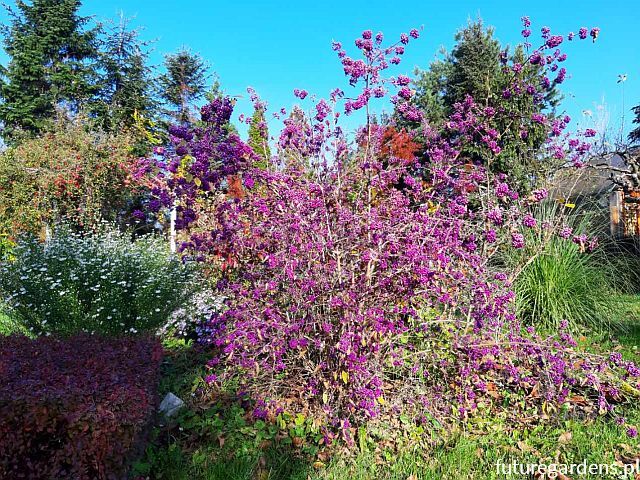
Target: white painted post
x=172 y=228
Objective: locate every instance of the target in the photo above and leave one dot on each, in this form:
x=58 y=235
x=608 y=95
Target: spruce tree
x=474 y=68
x=125 y=88
x=52 y=54
x=183 y=83
x=215 y=90
x=471 y=68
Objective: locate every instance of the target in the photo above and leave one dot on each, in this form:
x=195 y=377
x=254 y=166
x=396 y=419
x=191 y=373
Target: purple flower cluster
x=368 y=70
x=301 y=94
x=528 y=221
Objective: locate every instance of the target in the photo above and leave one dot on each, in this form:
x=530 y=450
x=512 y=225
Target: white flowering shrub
x=189 y=321
x=98 y=283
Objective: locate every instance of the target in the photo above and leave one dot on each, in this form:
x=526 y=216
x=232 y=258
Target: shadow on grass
x=215 y=441
x=207 y=464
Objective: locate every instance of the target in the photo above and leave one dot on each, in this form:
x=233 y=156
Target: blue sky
x=276 y=46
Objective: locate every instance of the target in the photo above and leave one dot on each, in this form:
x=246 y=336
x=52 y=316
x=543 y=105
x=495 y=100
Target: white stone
x=171 y=405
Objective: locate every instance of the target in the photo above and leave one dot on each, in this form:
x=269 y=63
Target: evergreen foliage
x=183 y=83
x=125 y=91
x=476 y=67
x=53 y=52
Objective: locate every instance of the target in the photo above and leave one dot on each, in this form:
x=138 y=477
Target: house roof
x=603 y=174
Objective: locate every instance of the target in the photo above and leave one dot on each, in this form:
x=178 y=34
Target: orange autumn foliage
x=399 y=144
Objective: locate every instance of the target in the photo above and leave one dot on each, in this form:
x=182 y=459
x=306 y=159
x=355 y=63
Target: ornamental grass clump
x=563 y=278
x=96 y=283
x=357 y=281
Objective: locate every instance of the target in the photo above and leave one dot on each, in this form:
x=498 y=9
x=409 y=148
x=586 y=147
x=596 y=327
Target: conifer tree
x=52 y=53
x=476 y=67
x=126 y=84
x=183 y=83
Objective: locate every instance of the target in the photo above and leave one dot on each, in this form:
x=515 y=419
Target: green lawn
x=216 y=442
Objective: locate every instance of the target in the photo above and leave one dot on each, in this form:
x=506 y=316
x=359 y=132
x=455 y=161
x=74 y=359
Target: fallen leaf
x=534 y=391
x=577 y=400
x=565 y=438
x=323 y=456
x=523 y=446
